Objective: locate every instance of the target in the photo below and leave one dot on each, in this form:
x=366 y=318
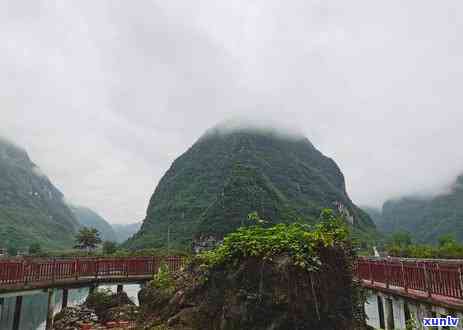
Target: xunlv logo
x=440 y=321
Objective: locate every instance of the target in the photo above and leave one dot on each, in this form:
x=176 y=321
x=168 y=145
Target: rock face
x=211 y=188
x=426 y=219
x=257 y=295
x=71 y=318
x=90 y=218
x=32 y=209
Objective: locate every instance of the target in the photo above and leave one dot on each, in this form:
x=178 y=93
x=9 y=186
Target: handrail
x=36 y=271
x=430 y=276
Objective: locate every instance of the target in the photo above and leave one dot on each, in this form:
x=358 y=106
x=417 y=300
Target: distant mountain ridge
x=125 y=231
x=426 y=219
x=89 y=218
x=32 y=209
x=215 y=184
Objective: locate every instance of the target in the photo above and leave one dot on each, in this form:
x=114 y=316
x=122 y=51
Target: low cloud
x=105 y=95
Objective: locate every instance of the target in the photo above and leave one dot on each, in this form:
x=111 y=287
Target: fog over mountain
x=105 y=94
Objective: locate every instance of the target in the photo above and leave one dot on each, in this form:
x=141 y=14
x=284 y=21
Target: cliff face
x=212 y=187
x=32 y=209
x=426 y=219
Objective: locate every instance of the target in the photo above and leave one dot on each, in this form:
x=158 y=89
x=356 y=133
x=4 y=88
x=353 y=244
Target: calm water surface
x=34 y=306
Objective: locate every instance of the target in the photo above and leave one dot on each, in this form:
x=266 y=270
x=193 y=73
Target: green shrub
x=163 y=279
x=99 y=298
x=298 y=240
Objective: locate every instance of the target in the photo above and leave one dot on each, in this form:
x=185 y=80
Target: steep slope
x=212 y=187
x=376 y=215
x=426 y=219
x=124 y=231
x=31 y=207
x=89 y=218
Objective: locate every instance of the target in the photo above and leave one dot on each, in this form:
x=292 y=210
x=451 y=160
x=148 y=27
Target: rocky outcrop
x=111 y=306
x=257 y=295
x=73 y=318
x=100 y=309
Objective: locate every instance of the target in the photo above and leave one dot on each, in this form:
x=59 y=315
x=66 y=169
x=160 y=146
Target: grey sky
x=105 y=94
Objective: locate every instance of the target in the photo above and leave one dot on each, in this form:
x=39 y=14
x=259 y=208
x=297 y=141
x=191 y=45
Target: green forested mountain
x=211 y=188
x=426 y=219
x=124 y=231
x=376 y=215
x=89 y=218
x=32 y=209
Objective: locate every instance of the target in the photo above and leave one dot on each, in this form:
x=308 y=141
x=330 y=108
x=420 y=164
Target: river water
x=34 y=306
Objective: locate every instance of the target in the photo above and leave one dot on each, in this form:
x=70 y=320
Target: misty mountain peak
x=215 y=184
x=256 y=127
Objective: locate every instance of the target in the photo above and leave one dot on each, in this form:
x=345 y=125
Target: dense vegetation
x=211 y=188
x=89 y=218
x=426 y=219
x=299 y=241
x=401 y=244
x=32 y=210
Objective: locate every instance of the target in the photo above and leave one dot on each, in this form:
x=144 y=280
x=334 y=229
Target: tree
x=35 y=248
x=401 y=239
x=87 y=239
x=109 y=247
x=12 y=251
x=447 y=240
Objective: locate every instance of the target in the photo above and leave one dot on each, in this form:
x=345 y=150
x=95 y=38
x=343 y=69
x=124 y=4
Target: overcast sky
x=104 y=95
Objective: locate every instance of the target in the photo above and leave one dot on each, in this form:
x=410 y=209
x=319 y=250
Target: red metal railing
x=433 y=277
x=53 y=270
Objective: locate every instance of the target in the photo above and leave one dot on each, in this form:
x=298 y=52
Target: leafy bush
x=163 y=279
x=109 y=247
x=100 y=298
x=297 y=240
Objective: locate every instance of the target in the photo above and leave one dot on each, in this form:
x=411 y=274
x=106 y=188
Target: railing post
x=460 y=281
x=426 y=280
x=76 y=268
x=23 y=273
x=404 y=277
x=386 y=273
x=439 y=282
x=53 y=270
x=96 y=268
x=127 y=263
x=370 y=272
